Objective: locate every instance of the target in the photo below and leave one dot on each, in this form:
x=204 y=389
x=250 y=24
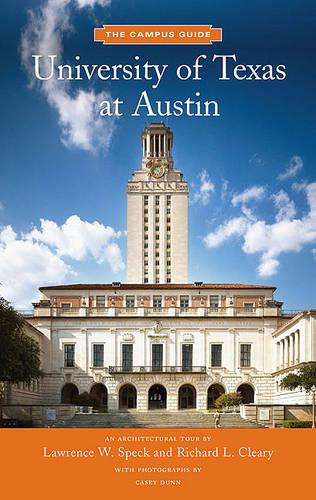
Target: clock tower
x=157 y=214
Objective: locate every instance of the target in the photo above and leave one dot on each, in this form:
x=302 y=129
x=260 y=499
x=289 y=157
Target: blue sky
x=251 y=171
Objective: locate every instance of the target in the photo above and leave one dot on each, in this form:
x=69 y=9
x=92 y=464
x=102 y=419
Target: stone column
x=281 y=354
x=286 y=352
x=278 y=356
x=148 y=145
x=234 y=358
x=291 y=341
x=164 y=145
x=297 y=346
x=260 y=354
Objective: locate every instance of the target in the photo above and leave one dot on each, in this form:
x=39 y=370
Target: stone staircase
x=156 y=419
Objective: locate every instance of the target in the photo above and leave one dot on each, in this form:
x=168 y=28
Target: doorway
x=127 y=397
x=157 y=397
x=187 y=397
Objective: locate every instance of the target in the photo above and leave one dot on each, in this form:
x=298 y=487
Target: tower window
x=157 y=200
x=157 y=211
x=130 y=301
x=157 y=302
x=184 y=301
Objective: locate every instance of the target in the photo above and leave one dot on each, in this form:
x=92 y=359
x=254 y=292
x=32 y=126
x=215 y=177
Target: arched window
x=157 y=397
x=69 y=393
x=214 y=392
x=187 y=397
x=247 y=393
x=101 y=393
x=127 y=397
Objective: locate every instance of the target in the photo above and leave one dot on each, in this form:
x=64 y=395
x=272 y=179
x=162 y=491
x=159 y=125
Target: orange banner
x=157 y=35
x=172 y=464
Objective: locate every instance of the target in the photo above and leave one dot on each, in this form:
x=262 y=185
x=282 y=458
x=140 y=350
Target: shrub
x=228 y=400
x=294 y=424
x=86 y=399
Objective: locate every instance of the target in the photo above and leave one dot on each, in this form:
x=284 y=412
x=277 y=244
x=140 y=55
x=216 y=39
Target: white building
x=158 y=341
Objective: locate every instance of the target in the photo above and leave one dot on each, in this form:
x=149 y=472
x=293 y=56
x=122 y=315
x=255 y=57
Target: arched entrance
x=127 y=397
x=214 y=392
x=247 y=393
x=100 y=392
x=187 y=397
x=69 y=393
x=157 y=397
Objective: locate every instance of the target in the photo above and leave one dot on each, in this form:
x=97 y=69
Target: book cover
x=157 y=248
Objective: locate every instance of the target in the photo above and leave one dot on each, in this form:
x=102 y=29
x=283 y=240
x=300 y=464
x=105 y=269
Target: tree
x=228 y=400
x=19 y=353
x=305 y=379
x=86 y=399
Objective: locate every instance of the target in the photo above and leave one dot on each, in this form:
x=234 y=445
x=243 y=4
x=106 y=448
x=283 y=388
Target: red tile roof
x=149 y=286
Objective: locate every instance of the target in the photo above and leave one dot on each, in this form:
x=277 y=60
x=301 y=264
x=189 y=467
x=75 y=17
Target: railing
x=229 y=311
x=161 y=369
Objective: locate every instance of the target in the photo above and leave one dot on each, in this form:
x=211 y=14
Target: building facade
x=159 y=342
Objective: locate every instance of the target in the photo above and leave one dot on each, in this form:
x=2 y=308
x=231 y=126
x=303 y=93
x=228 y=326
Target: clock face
x=157 y=170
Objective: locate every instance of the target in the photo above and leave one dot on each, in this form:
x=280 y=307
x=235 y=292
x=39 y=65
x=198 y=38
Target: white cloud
x=80 y=239
x=295 y=165
x=224 y=191
x=268 y=267
x=78 y=117
x=254 y=193
x=285 y=206
x=38 y=257
x=233 y=227
x=256 y=161
x=202 y=193
x=285 y=235
x=24 y=265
